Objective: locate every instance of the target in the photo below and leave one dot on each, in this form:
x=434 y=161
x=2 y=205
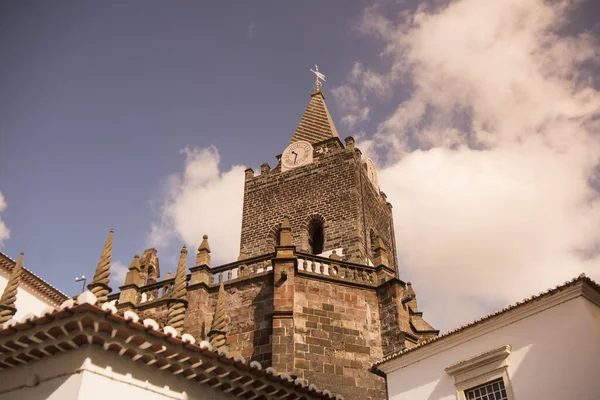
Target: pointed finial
x=218 y=328
x=9 y=296
x=99 y=286
x=204 y=245
x=413 y=297
x=320 y=76
x=178 y=302
x=135 y=263
x=285 y=233
x=134 y=276
x=380 y=256
x=203 y=255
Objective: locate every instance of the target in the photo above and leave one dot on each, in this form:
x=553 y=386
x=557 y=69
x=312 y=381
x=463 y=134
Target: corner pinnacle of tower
x=203 y=255
x=285 y=233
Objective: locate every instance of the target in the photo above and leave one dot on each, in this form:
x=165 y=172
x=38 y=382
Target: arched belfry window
x=274 y=235
x=316 y=235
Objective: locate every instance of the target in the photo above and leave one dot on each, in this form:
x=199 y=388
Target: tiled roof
x=547 y=293
x=30 y=279
x=316 y=124
x=82 y=323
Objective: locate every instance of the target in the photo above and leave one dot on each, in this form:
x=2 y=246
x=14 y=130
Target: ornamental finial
x=320 y=76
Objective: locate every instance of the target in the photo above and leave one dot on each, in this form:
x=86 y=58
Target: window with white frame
x=494 y=390
x=483 y=377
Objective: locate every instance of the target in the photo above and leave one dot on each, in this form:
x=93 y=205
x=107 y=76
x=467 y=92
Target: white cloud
x=118 y=271
x=349 y=102
x=491 y=156
x=202 y=200
x=4 y=231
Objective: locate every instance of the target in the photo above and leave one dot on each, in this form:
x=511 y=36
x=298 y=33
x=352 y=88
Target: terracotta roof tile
x=81 y=322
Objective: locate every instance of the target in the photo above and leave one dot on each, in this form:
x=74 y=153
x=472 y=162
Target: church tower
x=329 y=192
x=315 y=292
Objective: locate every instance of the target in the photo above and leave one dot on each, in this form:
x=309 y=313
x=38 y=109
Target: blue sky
x=98 y=101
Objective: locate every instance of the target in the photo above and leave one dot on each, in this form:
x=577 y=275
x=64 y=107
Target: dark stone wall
x=335 y=186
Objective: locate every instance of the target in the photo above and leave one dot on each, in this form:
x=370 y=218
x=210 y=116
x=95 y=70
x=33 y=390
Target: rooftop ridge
x=518 y=304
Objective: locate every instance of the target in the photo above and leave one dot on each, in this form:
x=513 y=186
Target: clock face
x=372 y=173
x=296 y=154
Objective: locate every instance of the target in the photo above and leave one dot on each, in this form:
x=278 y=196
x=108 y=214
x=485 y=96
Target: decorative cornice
x=488 y=357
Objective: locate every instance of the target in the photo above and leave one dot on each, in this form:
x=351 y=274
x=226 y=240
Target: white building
x=545 y=347
x=83 y=351
x=34 y=294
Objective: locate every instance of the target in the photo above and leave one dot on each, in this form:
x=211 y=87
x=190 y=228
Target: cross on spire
x=318 y=76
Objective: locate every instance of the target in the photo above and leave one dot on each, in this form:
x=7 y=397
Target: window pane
x=493 y=390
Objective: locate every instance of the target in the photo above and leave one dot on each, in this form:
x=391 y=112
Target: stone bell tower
x=329 y=192
x=315 y=294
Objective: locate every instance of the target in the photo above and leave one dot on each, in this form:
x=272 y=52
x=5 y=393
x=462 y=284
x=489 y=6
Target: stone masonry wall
x=394 y=318
x=377 y=217
x=330 y=187
x=249 y=310
x=337 y=338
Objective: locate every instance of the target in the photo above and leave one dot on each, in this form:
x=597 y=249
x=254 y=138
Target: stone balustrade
x=242 y=269
x=307 y=264
x=337 y=269
x=156 y=291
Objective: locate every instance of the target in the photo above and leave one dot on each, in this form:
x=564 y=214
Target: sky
x=483 y=119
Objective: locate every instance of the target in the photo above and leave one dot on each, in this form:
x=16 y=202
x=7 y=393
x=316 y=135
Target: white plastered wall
x=555 y=356
x=92 y=374
x=28 y=301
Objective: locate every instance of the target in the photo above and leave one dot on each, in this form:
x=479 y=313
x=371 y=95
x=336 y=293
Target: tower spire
x=316 y=124
x=9 y=296
x=178 y=301
x=99 y=286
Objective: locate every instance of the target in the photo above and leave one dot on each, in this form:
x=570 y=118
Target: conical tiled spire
x=178 y=300
x=217 y=330
x=9 y=296
x=99 y=286
x=316 y=124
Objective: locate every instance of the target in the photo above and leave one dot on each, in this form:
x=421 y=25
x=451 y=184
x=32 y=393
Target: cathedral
x=314 y=298
x=315 y=292
x=313 y=308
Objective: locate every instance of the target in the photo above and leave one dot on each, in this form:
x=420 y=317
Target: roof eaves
x=152 y=345
x=581 y=278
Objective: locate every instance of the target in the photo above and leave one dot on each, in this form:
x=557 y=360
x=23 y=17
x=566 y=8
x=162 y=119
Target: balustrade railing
x=262 y=265
x=337 y=269
x=242 y=269
x=156 y=291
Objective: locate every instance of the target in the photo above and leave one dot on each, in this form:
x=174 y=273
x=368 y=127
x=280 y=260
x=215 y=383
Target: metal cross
x=318 y=75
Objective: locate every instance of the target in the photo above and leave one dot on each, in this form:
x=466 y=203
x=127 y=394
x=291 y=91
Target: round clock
x=372 y=173
x=296 y=154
